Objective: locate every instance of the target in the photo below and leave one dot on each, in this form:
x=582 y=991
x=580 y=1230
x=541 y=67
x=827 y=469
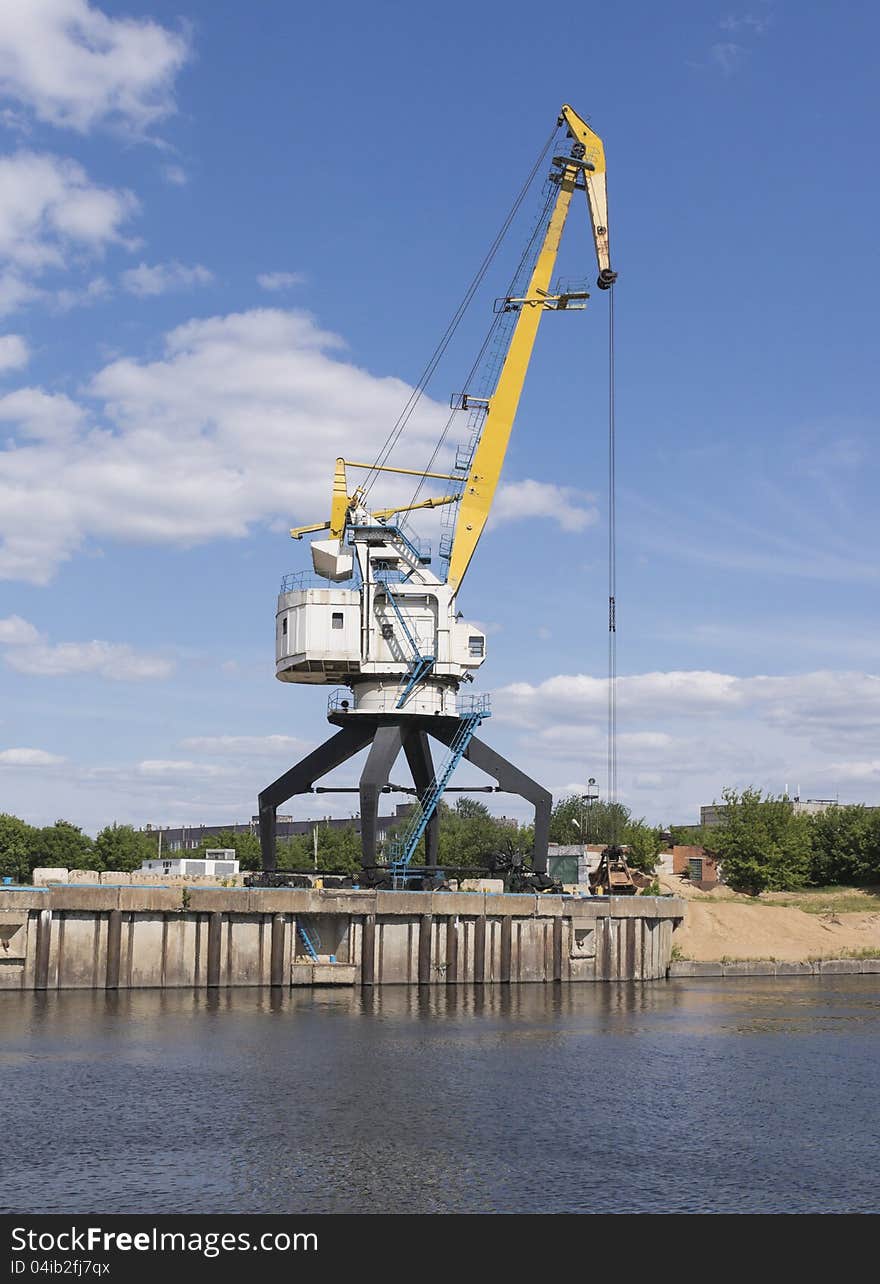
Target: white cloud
x=48 y=206
x=72 y=66
x=40 y=415
x=279 y=280
x=31 y=653
x=14 y=631
x=265 y=745
x=563 y=504
x=175 y=174
x=15 y=292
x=684 y=736
x=238 y=423
x=822 y=701
x=161 y=277
x=14 y=352
x=169 y=767
x=114 y=660
x=28 y=758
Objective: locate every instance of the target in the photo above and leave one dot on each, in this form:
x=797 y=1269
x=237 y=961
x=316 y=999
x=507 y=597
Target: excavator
x=376 y=617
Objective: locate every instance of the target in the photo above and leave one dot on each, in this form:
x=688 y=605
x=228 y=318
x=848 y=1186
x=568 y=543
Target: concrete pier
x=117 y=938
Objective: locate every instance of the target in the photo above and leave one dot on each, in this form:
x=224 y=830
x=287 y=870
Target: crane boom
x=587 y=160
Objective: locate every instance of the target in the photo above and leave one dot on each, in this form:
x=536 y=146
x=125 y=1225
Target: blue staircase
x=307 y=941
x=401 y=850
x=419 y=665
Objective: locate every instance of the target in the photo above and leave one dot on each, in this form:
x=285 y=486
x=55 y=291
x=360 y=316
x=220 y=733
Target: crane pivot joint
x=606 y=279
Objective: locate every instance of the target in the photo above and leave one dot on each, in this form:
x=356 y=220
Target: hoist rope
x=612 y=583
x=525 y=258
x=425 y=377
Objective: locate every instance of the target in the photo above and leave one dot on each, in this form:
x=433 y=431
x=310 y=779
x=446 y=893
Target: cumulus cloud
x=238 y=423
x=177 y=767
x=48 y=205
x=279 y=280
x=30 y=652
x=115 y=660
x=257 y=745
x=571 y=508
x=14 y=631
x=70 y=65
x=685 y=735
x=14 y=352
x=40 y=415
x=808 y=701
x=146 y=281
x=28 y=758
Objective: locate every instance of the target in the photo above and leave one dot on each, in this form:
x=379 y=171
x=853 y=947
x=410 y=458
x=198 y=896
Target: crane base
x=387 y=734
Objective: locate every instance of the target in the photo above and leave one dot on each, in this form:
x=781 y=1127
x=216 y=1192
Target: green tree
x=62 y=845
x=572 y=821
x=643 y=843
x=762 y=844
x=16 y=843
x=845 y=846
x=122 y=847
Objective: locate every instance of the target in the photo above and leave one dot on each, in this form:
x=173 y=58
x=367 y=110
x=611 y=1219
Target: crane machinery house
x=377 y=616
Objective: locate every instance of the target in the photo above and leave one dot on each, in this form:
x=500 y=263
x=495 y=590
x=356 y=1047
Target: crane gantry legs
x=387 y=734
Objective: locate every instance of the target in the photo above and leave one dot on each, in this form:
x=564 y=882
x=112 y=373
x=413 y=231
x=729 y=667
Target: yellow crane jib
x=584 y=168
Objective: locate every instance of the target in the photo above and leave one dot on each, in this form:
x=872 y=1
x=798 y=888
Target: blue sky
x=230 y=237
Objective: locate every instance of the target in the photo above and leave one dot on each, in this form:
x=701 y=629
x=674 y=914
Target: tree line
x=762 y=844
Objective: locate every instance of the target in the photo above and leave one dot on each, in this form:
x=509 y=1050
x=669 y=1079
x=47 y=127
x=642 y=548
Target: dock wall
x=116 y=938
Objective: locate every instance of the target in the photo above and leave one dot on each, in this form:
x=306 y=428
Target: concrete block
x=794 y=969
x=212 y=900
x=494 y=885
x=83 y=898
x=513 y=904
x=276 y=900
x=144 y=899
x=751 y=967
x=839 y=967
x=25 y=899
x=403 y=902
x=470 y=904
x=89 y=876
x=47 y=874
x=116 y=877
x=684 y=968
x=322 y=974
x=585 y=911
x=547 y=906
x=871 y=966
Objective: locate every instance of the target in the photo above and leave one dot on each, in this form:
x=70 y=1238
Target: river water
x=681 y=1096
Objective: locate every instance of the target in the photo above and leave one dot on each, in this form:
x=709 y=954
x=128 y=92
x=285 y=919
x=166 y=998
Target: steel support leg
x=512 y=781
x=299 y=780
x=417 y=748
x=387 y=744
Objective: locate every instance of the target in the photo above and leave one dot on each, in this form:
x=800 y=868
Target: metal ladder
x=419 y=665
x=401 y=849
x=307 y=941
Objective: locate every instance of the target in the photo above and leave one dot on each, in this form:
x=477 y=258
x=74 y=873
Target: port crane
x=375 y=621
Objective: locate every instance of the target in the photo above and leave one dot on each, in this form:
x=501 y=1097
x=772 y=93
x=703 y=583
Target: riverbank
x=722 y=926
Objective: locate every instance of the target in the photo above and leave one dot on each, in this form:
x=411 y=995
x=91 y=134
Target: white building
x=218 y=862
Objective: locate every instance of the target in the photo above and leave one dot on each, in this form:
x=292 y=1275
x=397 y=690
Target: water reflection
x=723 y=1095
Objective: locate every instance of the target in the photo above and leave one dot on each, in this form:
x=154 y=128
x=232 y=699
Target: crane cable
x=497 y=321
x=612 y=584
x=414 y=397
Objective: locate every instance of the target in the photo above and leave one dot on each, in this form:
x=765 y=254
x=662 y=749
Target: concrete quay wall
x=102 y=937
